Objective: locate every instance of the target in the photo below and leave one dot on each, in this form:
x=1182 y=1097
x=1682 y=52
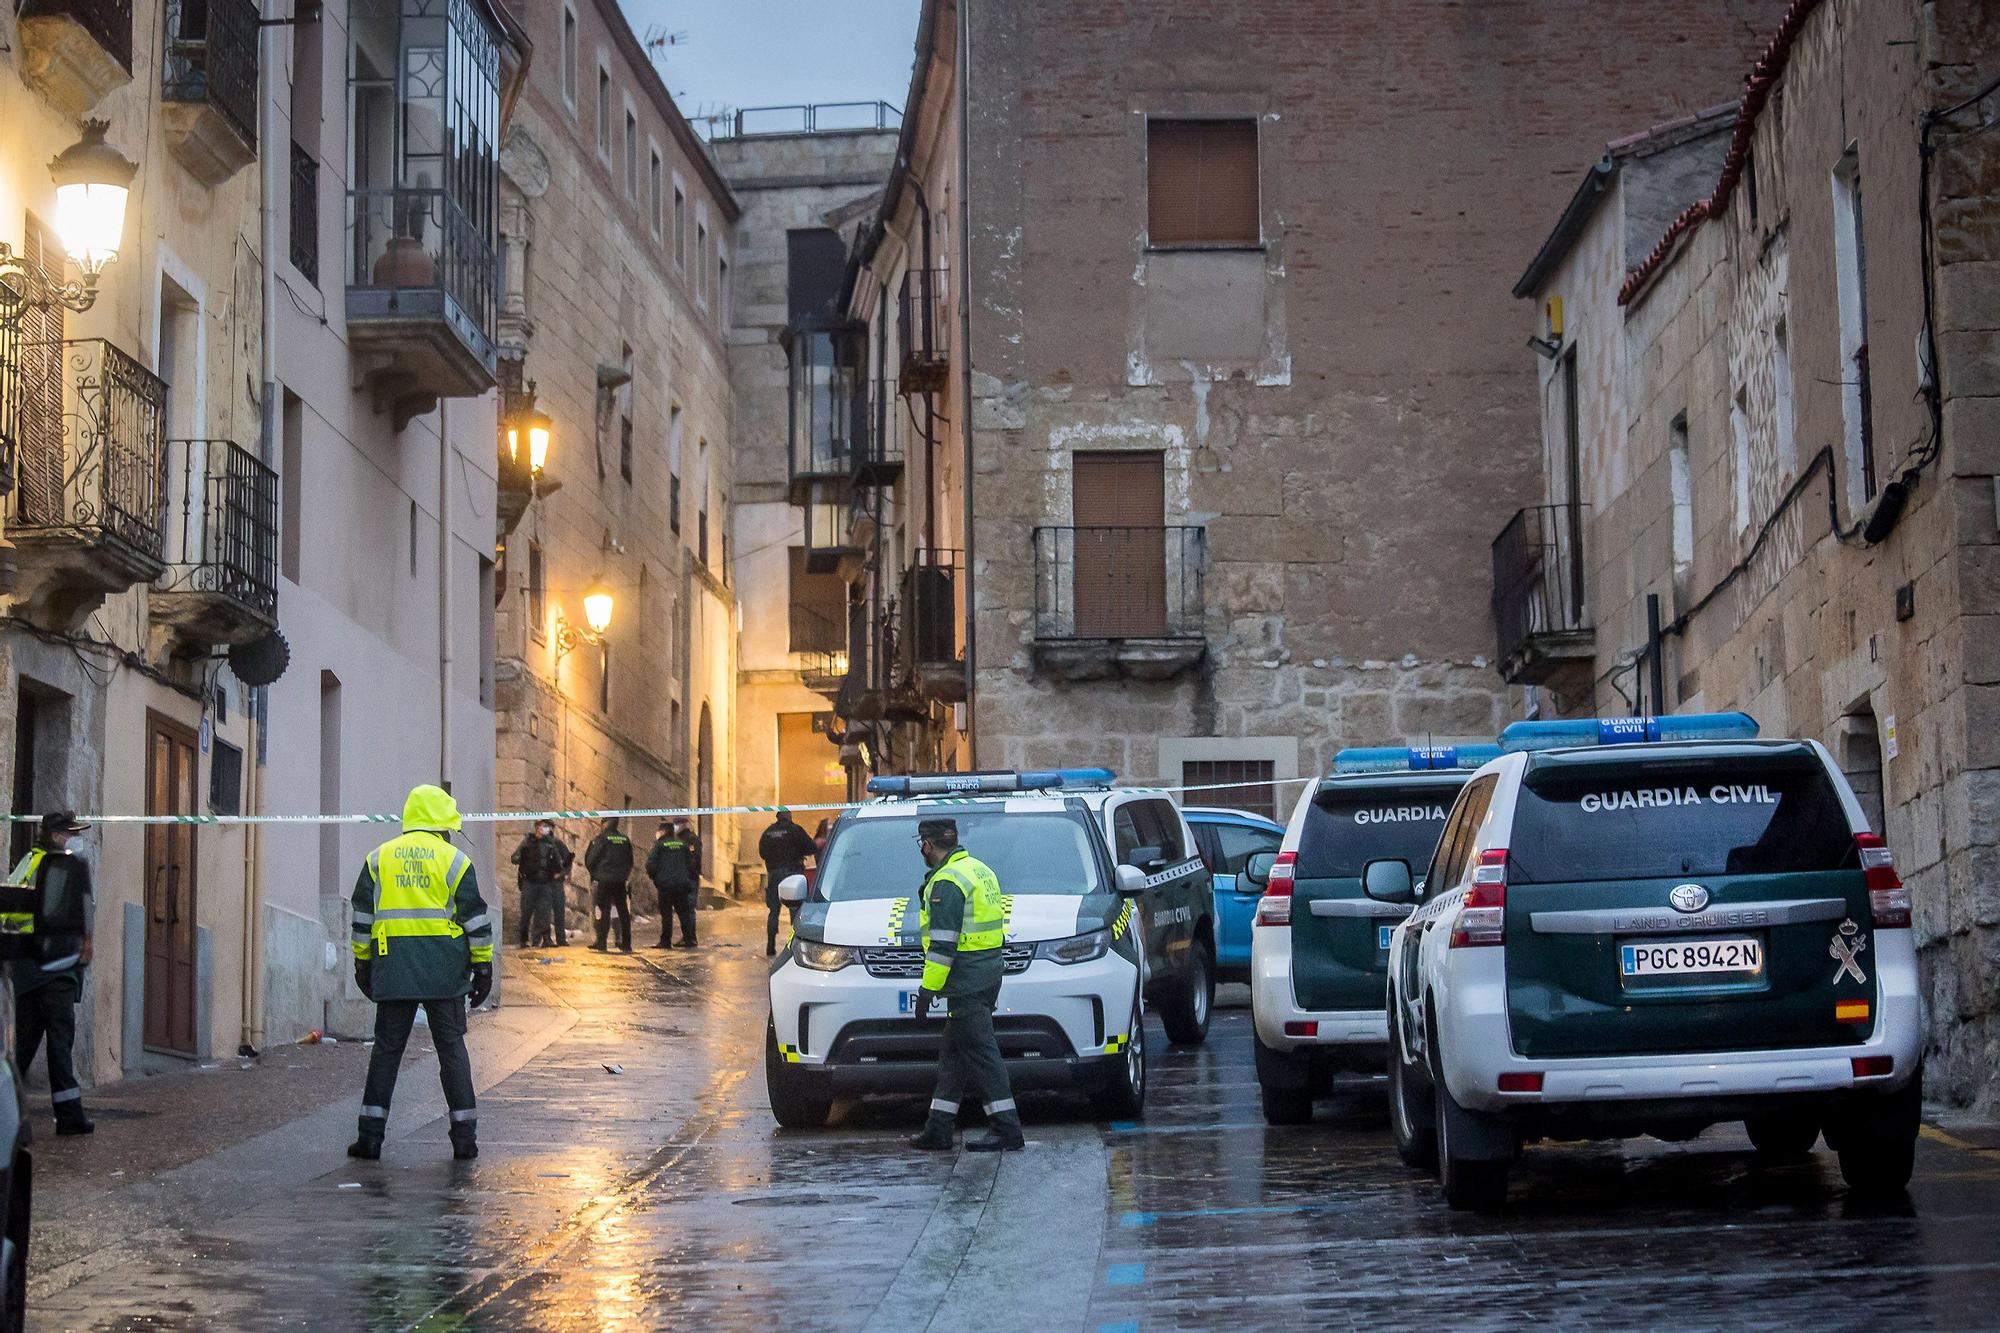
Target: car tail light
x=1309 y=1028
x=1521 y=1082
x=1482 y=920
x=1888 y=896
x=1874 y=1066
x=1275 y=907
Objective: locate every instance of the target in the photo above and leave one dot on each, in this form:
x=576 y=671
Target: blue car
x=1228 y=839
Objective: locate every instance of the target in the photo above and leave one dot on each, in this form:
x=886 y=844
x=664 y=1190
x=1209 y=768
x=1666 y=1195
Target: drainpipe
x=964 y=92
x=444 y=593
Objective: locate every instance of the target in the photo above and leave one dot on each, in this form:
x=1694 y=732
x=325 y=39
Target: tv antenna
x=658 y=39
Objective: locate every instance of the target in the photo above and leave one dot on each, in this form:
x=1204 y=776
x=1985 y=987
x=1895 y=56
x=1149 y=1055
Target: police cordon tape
x=640 y=812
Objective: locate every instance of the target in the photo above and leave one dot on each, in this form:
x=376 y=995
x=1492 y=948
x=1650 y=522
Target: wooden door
x=1119 y=506
x=171 y=789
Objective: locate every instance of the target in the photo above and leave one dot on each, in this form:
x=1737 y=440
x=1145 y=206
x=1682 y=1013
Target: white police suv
x=1071 y=1003
x=1319 y=947
x=1650 y=926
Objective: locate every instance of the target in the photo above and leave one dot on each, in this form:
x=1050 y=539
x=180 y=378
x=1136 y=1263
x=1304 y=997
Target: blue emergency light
x=977 y=784
x=1587 y=731
x=1413 y=758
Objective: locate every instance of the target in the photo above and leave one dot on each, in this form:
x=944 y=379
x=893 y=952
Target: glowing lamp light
x=93 y=181
x=596 y=604
x=531 y=421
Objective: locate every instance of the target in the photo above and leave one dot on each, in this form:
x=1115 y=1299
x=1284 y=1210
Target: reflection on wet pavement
x=665 y=1196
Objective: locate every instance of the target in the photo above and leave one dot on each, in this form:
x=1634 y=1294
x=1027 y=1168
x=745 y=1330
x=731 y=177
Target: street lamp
x=597 y=619
x=93 y=181
x=531 y=421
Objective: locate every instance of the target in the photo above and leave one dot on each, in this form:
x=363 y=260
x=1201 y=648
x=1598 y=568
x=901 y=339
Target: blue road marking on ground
x=1133 y=1127
x=1124 y=1275
x=1147 y=1219
x=1129 y=1326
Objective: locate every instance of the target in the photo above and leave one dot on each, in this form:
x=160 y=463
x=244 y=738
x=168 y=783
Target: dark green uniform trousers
x=970 y=1063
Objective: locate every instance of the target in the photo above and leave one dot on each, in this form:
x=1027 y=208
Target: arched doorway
x=704 y=780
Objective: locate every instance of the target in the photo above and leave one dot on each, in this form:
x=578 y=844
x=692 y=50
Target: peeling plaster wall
x=1347 y=409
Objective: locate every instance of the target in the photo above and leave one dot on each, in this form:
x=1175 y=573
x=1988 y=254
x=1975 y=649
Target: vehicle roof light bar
x=1413 y=758
x=969 y=784
x=1587 y=731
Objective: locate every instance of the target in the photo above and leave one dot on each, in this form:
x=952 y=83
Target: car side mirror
x=1388 y=881
x=1130 y=881
x=793 y=889
x=1146 y=858
x=1258 y=868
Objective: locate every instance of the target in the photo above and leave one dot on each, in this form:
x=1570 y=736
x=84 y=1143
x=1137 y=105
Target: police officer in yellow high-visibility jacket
x=962 y=923
x=421 y=937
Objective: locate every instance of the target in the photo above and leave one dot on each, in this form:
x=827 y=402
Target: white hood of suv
x=1031 y=918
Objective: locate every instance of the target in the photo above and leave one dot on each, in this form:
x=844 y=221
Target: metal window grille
x=1253 y=789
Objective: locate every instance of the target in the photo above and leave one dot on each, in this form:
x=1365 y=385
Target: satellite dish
x=261 y=661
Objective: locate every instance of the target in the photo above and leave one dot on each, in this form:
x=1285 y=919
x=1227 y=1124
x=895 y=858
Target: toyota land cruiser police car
x=1319 y=949
x=1071 y=996
x=1650 y=926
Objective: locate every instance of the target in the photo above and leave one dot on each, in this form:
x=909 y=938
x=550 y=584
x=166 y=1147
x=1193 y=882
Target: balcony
x=209 y=90
x=828 y=419
x=76 y=51
x=820 y=642
x=221 y=551
x=879 y=450
x=420 y=299
x=1119 y=601
x=932 y=648
x=1539 y=614
x=88 y=425
x=305 y=213
x=923 y=330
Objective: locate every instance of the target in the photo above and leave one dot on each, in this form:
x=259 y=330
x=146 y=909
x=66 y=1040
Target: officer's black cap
x=938 y=830
x=62 y=821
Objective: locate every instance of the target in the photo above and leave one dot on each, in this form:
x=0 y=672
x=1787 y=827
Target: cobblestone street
x=664 y=1196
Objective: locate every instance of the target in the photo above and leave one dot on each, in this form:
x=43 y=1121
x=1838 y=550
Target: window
x=569 y=57
x=680 y=228
x=1454 y=846
x=488 y=578
x=674 y=467
x=631 y=156
x=701 y=262
x=604 y=113
x=1235 y=844
x=1255 y=794
x=625 y=415
x=1739 y=434
x=722 y=292
x=413 y=539
x=654 y=198
x=818 y=608
x=1781 y=385
x=1850 y=260
x=291 y=479
x=1119 y=579
x=225 y=779
x=1201 y=183
x=1345 y=829
x=1680 y=485
x=538 y=593
x=701 y=500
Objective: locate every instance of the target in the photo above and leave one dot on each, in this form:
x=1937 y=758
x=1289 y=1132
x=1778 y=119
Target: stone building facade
x=1237 y=450
x=617 y=235
x=1782 y=443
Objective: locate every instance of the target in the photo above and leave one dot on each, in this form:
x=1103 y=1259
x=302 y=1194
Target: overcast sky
x=749 y=53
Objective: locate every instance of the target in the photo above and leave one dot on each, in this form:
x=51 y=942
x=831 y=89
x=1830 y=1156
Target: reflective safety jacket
x=419 y=919
x=962 y=923
x=45 y=912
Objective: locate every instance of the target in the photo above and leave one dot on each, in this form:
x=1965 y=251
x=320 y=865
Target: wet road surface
x=663 y=1196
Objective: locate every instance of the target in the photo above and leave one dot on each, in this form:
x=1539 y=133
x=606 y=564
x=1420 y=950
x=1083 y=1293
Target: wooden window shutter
x=39 y=402
x=1201 y=182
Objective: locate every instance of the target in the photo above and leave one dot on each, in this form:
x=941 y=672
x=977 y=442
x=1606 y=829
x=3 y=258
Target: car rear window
x=1736 y=816
x=1346 y=829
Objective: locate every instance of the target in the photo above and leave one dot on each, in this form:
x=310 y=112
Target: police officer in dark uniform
x=783 y=848
x=608 y=861
x=48 y=983
x=544 y=860
x=669 y=866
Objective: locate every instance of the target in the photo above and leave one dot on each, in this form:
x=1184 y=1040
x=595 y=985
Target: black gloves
x=364 y=977
x=922 y=1008
x=482 y=983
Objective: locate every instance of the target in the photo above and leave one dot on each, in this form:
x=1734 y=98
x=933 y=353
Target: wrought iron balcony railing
x=222 y=529
x=212 y=58
x=1119 y=582
x=90 y=426
x=407 y=248
x=1539 y=615
x=109 y=22
x=930 y=610
x=812 y=118
x=821 y=641
x=923 y=329
x=880 y=448
x=305 y=212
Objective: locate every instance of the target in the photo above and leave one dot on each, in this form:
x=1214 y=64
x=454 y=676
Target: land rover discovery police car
x=1071 y=1002
x=1319 y=948
x=1650 y=926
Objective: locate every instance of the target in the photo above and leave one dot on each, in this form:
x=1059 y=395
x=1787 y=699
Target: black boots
x=1000 y=1138
x=465 y=1140
x=938 y=1135
x=75 y=1123
x=366 y=1146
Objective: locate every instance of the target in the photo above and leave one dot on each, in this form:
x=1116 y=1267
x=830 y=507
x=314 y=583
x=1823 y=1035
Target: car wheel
x=1185 y=1015
x=1877 y=1140
x=14 y=1308
x=1412 y=1114
x=1124 y=1097
x=1287 y=1106
x=1469 y=1185
x=1782 y=1138
x=794 y=1104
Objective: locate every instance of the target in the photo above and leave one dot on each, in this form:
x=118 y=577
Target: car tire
x=20 y=1204
x=1124 y=1097
x=1412 y=1112
x=1469 y=1185
x=1185 y=1014
x=1877 y=1143
x=1287 y=1106
x=1782 y=1138
x=794 y=1104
